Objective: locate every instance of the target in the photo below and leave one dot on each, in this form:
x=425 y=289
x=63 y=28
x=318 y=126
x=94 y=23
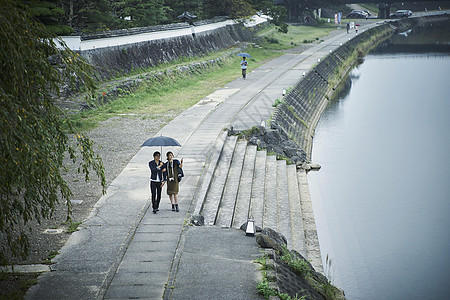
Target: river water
x=382 y=198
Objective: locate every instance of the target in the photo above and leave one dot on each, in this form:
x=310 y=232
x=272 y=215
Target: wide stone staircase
x=242 y=183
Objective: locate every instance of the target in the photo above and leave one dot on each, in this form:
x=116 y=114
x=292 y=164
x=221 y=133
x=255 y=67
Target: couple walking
x=171 y=172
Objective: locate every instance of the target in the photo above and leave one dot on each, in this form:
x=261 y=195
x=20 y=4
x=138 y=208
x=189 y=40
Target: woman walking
x=173 y=174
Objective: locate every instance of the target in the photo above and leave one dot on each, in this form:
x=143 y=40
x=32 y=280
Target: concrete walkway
x=124 y=251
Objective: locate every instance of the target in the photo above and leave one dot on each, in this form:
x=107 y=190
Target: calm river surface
x=382 y=198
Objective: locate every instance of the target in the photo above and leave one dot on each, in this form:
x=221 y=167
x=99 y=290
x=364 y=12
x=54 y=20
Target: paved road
x=123 y=250
x=75 y=43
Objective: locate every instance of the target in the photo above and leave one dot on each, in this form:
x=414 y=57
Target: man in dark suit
x=157 y=180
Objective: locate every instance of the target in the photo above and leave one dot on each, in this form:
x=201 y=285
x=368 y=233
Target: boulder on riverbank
x=289 y=273
x=275 y=141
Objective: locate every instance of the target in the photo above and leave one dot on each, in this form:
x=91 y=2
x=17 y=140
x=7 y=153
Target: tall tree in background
x=34 y=138
x=121 y=13
x=234 y=9
x=63 y=16
x=275 y=12
x=177 y=7
x=297 y=9
x=146 y=12
x=92 y=15
x=51 y=15
x=242 y=9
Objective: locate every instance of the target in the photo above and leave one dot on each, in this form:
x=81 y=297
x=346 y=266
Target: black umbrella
x=160 y=141
x=187 y=15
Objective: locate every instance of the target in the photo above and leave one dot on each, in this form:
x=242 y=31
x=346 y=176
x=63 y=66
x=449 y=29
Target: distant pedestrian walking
x=173 y=175
x=356 y=28
x=348 y=27
x=156 y=180
x=244 y=64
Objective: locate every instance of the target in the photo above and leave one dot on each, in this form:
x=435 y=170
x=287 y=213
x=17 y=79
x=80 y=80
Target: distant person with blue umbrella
x=244 y=64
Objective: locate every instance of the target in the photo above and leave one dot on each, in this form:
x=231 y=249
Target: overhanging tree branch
x=34 y=131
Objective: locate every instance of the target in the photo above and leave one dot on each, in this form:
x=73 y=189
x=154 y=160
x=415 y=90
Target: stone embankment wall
x=299 y=112
x=120 y=60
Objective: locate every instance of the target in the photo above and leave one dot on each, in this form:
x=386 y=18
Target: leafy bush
x=271 y=40
x=265 y=290
x=298 y=265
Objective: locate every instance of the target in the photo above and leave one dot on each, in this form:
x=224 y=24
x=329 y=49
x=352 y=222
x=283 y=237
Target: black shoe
x=154 y=211
x=173 y=207
x=177 y=208
x=157 y=209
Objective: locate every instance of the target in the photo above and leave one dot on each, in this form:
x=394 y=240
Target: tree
x=120 y=12
x=34 y=138
x=65 y=16
x=297 y=9
x=244 y=9
x=235 y=9
x=146 y=12
x=294 y=9
x=91 y=15
x=276 y=13
x=50 y=14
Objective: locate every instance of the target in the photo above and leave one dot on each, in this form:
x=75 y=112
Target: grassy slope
x=157 y=98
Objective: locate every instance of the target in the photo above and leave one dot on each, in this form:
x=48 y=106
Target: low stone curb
x=38 y=268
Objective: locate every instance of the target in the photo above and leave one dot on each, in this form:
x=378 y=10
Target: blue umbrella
x=243 y=54
x=160 y=141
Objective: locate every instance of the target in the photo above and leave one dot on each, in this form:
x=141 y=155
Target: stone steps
x=270 y=217
x=296 y=218
x=283 y=223
x=225 y=212
x=241 y=212
x=218 y=180
x=259 y=179
x=251 y=184
x=311 y=240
